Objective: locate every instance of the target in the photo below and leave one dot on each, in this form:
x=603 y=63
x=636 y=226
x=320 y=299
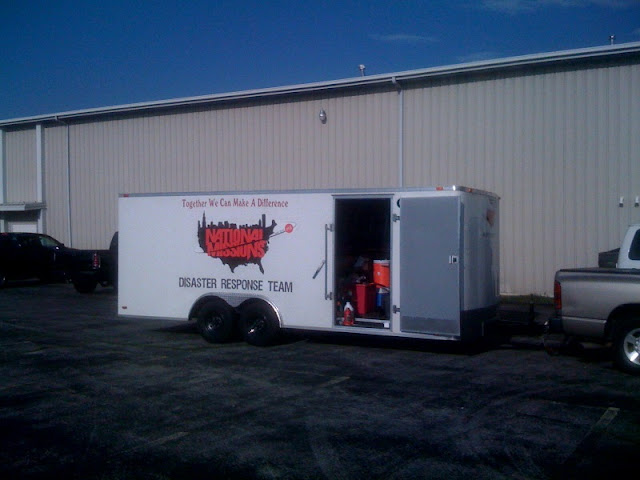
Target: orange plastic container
x=381 y=273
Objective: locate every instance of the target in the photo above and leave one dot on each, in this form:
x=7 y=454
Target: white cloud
x=403 y=38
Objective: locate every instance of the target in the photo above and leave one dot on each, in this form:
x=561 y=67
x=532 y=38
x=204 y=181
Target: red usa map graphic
x=234 y=244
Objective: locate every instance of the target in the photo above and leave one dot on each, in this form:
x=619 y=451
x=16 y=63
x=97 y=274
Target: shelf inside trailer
x=380 y=323
x=372 y=323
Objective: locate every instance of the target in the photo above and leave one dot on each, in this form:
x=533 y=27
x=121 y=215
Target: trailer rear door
x=430 y=263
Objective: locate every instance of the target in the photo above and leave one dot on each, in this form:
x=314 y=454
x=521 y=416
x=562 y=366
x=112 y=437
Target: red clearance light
x=439 y=188
x=557 y=296
x=96 y=261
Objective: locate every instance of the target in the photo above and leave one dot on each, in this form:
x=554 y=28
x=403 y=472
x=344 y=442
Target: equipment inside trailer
x=362 y=261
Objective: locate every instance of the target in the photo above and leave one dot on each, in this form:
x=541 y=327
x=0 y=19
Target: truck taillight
x=96 y=261
x=557 y=296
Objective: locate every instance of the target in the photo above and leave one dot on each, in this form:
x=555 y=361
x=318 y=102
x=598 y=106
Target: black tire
x=626 y=346
x=85 y=285
x=260 y=324
x=216 y=319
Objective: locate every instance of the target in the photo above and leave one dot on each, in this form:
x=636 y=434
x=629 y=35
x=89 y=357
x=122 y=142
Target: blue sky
x=65 y=55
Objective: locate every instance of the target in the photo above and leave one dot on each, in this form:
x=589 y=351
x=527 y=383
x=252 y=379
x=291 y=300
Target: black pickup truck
x=88 y=268
x=25 y=255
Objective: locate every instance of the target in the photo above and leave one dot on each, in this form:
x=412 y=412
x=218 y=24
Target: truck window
x=634 y=251
x=47 y=241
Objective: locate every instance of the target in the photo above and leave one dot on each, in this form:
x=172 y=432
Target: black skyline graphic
x=236 y=245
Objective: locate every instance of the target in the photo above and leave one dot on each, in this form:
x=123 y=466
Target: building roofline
x=609 y=51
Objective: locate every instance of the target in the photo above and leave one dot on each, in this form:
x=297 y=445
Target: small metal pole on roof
x=361 y=67
x=612 y=39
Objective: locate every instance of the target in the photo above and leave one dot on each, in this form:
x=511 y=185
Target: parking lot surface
x=85 y=394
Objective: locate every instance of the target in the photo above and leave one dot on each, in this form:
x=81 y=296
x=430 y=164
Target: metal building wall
x=263 y=145
x=20 y=169
x=559 y=144
x=560 y=148
x=57 y=192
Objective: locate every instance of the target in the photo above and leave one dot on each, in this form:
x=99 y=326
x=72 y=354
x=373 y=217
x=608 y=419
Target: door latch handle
x=453 y=259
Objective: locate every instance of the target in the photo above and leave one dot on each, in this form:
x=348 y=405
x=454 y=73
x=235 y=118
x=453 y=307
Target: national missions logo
x=237 y=245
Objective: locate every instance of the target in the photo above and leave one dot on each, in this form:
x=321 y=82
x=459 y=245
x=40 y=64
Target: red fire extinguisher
x=348 y=314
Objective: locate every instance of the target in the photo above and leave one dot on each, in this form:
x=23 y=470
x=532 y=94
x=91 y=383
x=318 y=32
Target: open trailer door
x=430 y=262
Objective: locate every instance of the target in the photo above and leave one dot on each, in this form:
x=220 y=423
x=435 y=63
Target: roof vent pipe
x=612 y=39
x=361 y=67
x=394 y=82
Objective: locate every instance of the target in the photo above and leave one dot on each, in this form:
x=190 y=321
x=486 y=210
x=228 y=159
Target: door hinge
x=395 y=217
x=328 y=227
x=396 y=309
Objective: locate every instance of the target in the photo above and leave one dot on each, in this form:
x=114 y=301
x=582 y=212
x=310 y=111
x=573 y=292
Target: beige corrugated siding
x=56 y=183
x=560 y=148
x=560 y=144
x=20 y=169
x=263 y=146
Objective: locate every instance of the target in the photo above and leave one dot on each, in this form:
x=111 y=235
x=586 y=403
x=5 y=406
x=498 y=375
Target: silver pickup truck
x=603 y=304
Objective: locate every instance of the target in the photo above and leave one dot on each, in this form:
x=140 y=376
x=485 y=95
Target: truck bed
x=89 y=268
x=591 y=295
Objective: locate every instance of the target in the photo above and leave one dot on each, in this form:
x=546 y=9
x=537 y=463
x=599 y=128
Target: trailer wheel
x=216 y=320
x=626 y=346
x=260 y=324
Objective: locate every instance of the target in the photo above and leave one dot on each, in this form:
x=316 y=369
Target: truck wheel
x=626 y=346
x=216 y=320
x=260 y=324
x=84 y=285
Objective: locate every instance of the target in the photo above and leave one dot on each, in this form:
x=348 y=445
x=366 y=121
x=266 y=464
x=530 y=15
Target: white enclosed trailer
x=412 y=263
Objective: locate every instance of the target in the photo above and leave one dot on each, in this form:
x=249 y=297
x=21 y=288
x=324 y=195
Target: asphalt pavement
x=85 y=394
